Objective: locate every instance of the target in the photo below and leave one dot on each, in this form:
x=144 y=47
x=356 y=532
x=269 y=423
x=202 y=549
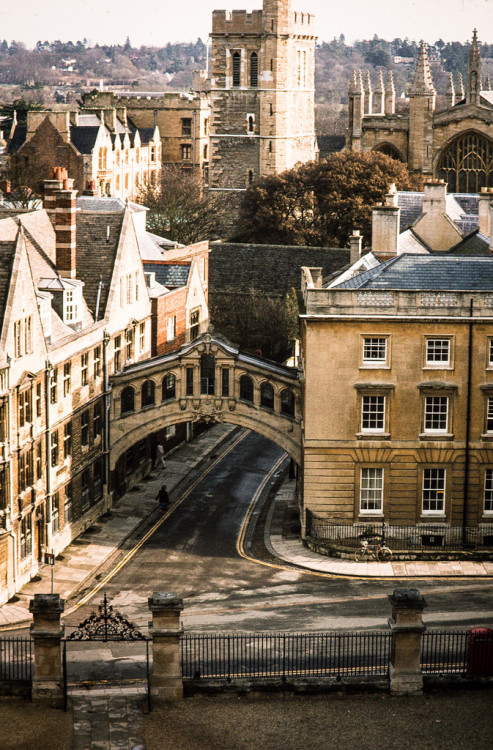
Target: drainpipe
x=106 y=420
x=48 y=370
x=468 y=427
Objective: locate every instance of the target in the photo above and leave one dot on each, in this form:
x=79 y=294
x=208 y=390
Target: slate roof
x=273 y=269
x=84 y=137
x=171 y=275
x=475 y=243
x=98 y=235
x=411 y=205
x=146 y=135
x=427 y=272
x=18 y=138
x=461 y=207
x=7 y=251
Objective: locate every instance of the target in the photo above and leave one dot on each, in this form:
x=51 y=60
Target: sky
x=157 y=22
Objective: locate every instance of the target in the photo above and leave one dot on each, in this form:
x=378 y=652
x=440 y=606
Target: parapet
x=237 y=22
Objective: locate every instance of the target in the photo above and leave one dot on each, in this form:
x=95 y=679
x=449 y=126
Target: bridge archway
x=208 y=380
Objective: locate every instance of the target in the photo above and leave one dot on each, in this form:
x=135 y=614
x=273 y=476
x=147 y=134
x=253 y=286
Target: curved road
x=194 y=554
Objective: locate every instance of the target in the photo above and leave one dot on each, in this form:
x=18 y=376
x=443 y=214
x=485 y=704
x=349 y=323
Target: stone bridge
x=208 y=379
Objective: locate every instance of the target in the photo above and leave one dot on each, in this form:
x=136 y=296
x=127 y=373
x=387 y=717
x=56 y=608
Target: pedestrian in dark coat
x=163 y=497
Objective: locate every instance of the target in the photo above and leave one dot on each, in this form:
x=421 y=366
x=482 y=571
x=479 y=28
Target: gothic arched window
x=267 y=396
x=169 y=387
x=466 y=164
x=287 y=402
x=147 y=394
x=389 y=150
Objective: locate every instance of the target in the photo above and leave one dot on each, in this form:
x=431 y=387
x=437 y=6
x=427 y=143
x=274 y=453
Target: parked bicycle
x=379 y=552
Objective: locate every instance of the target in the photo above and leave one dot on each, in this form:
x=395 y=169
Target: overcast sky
x=156 y=22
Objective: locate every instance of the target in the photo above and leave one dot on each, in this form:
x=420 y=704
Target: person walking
x=163 y=498
x=160 y=457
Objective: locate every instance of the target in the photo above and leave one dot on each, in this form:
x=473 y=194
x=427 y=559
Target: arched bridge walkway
x=211 y=380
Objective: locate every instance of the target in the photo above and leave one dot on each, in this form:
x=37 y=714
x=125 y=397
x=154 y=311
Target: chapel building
x=454 y=144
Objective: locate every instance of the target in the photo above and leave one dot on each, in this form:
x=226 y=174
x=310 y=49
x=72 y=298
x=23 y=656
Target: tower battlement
x=237 y=22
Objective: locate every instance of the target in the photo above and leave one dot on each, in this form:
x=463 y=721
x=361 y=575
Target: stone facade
x=183 y=121
x=455 y=144
x=262 y=94
x=367 y=350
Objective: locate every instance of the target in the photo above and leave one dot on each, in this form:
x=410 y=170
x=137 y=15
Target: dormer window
x=72 y=304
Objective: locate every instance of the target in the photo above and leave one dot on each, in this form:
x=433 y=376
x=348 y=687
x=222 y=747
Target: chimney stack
x=385 y=226
x=50 y=187
x=63 y=207
x=485 y=206
x=356 y=245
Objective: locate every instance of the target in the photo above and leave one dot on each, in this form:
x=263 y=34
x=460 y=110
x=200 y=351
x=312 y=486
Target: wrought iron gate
x=106 y=625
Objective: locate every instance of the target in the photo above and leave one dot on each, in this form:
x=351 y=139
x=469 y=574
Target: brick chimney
x=50 y=187
x=65 y=229
x=60 y=206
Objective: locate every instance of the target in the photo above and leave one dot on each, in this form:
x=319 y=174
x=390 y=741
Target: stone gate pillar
x=407 y=626
x=165 y=630
x=47 y=633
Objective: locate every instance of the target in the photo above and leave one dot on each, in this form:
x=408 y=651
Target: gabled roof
x=98 y=236
x=84 y=137
x=146 y=135
x=427 y=272
x=475 y=243
x=7 y=253
x=171 y=275
x=18 y=138
x=462 y=208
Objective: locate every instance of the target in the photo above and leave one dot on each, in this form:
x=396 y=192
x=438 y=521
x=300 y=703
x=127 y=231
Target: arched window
x=246 y=388
x=254 y=69
x=250 y=177
x=251 y=124
x=169 y=387
x=466 y=164
x=148 y=393
x=207 y=374
x=127 y=400
x=267 y=396
x=236 y=68
x=287 y=403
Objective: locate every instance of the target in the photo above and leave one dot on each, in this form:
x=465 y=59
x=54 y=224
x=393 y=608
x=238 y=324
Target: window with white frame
x=371 y=490
x=488 y=491
x=142 y=336
x=66 y=378
x=55 y=513
x=436 y=413
x=374 y=350
x=84 y=366
x=67 y=506
x=373 y=413
x=489 y=414
x=433 y=491
x=171 y=328
x=437 y=352
x=26 y=539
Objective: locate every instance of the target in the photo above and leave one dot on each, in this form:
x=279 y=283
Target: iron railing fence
x=400 y=538
x=464 y=652
x=16 y=659
x=284 y=655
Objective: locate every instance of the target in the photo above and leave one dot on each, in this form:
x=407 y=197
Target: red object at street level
x=480 y=651
x=49 y=558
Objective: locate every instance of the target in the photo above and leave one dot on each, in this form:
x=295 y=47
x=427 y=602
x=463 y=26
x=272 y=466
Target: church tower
x=473 y=81
x=262 y=91
x=422 y=100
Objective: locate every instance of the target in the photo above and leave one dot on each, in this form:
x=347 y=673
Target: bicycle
x=379 y=552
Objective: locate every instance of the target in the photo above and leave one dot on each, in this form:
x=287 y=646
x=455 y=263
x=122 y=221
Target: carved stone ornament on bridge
x=106 y=626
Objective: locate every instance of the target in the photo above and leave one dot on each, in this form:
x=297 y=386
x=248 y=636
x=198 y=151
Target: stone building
x=398 y=369
x=104 y=151
x=454 y=144
x=183 y=120
x=76 y=309
x=262 y=94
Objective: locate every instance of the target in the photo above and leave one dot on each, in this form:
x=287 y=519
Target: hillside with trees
x=58 y=71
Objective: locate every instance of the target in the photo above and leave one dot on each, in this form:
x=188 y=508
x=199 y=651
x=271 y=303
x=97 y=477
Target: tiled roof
x=427 y=272
x=103 y=205
x=411 y=205
x=146 y=135
x=169 y=274
x=18 y=138
x=98 y=235
x=475 y=244
x=7 y=252
x=84 y=137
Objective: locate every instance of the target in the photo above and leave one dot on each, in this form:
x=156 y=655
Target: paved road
x=194 y=553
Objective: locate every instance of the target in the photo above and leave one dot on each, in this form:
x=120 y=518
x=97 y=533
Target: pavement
x=81 y=559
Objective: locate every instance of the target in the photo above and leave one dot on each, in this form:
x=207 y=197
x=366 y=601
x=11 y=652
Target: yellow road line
x=153 y=529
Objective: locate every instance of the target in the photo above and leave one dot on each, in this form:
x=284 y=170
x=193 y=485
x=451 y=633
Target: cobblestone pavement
x=108 y=719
